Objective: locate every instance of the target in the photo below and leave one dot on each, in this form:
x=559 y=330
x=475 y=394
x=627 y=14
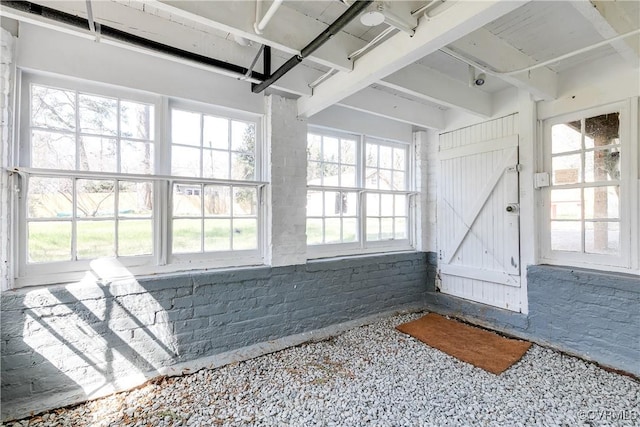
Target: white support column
x=287 y=195
x=426 y=154
x=529 y=197
x=7 y=76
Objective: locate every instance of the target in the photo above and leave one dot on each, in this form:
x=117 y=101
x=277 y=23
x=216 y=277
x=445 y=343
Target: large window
x=220 y=215
x=104 y=177
x=358 y=194
x=587 y=209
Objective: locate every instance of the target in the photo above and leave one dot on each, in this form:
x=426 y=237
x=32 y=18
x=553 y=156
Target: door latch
x=513 y=208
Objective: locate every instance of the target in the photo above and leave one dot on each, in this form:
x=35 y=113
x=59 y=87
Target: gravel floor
x=373 y=376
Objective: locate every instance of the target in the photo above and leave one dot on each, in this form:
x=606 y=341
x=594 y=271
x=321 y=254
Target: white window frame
x=362 y=246
x=626 y=261
x=222 y=258
x=162 y=261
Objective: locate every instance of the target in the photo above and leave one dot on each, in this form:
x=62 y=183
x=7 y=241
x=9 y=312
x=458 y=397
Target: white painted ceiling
x=534 y=32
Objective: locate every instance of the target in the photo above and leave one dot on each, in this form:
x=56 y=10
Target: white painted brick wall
x=7 y=45
x=287 y=141
x=426 y=151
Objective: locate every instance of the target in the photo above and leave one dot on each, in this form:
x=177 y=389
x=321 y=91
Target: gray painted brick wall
x=73 y=340
x=592 y=314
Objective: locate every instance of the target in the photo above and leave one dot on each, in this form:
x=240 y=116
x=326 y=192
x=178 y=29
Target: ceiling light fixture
x=372 y=19
x=384 y=14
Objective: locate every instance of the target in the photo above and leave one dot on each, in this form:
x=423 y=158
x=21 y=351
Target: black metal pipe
x=113 y=33
x=266 y=60
x=329 y=32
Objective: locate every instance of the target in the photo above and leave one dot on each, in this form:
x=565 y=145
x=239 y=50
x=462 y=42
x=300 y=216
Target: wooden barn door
x=478 y=214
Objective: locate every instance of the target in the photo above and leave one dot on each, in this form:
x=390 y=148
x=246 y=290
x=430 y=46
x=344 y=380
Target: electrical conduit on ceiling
x=353 y=11
x=499 y=73
x=259 y=27
x=102 y=31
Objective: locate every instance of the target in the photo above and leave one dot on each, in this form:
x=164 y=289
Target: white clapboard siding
x=478 y=240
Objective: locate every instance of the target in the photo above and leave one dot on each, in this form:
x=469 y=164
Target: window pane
x=136 y=120
x=400 y=205
x=372 y=155
x=332 y=203
x=314 y=147
x=386 y=157
x=245 y=234
x=98 y=115
x=602 y=165
x=384 y=180
x=566 y=204
x=217 y=201
x=399 y=156
x=136 y=157
x=243 y=137
x=314 y=203
x=566 y=137
x=49 y=241
x=566 y=236
x=187 y=235
x=95 y=198
x=349 y=204
x=314 y=231
x=185 y=128
x=348 y=176
x=348 y=151
x=373 y=229
x=386 y=203
x=185 y=161
x=373 y=204
x=386 y=228
x=602 y=130
x=135 y=237
x=332 y=230
x=331 y=172
x=52 y=150
x=216 y=133
x=217 y=235
x=216 y=164
x=331 y=149
x=372 y=178
x=566 y=169
x=601 y=203
x=53 y=108
x=187 y=200
x=98 y=154
x=95 y=239
x=135 y=199
x=314 y=173
x=50 y=197
x=401 y=228
x=243 y=166
x=602 y=237
x=349 y=230
x=399 y=182
x=245 y=202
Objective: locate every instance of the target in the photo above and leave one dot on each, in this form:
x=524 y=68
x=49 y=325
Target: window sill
x=588 y=266
x=336 y=252
x=107 y=271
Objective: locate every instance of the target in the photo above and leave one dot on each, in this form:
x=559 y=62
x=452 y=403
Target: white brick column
x=426 y=154
x=287 y=195
x=7 y=47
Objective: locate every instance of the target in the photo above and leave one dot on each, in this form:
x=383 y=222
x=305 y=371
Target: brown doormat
x=479 y=347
